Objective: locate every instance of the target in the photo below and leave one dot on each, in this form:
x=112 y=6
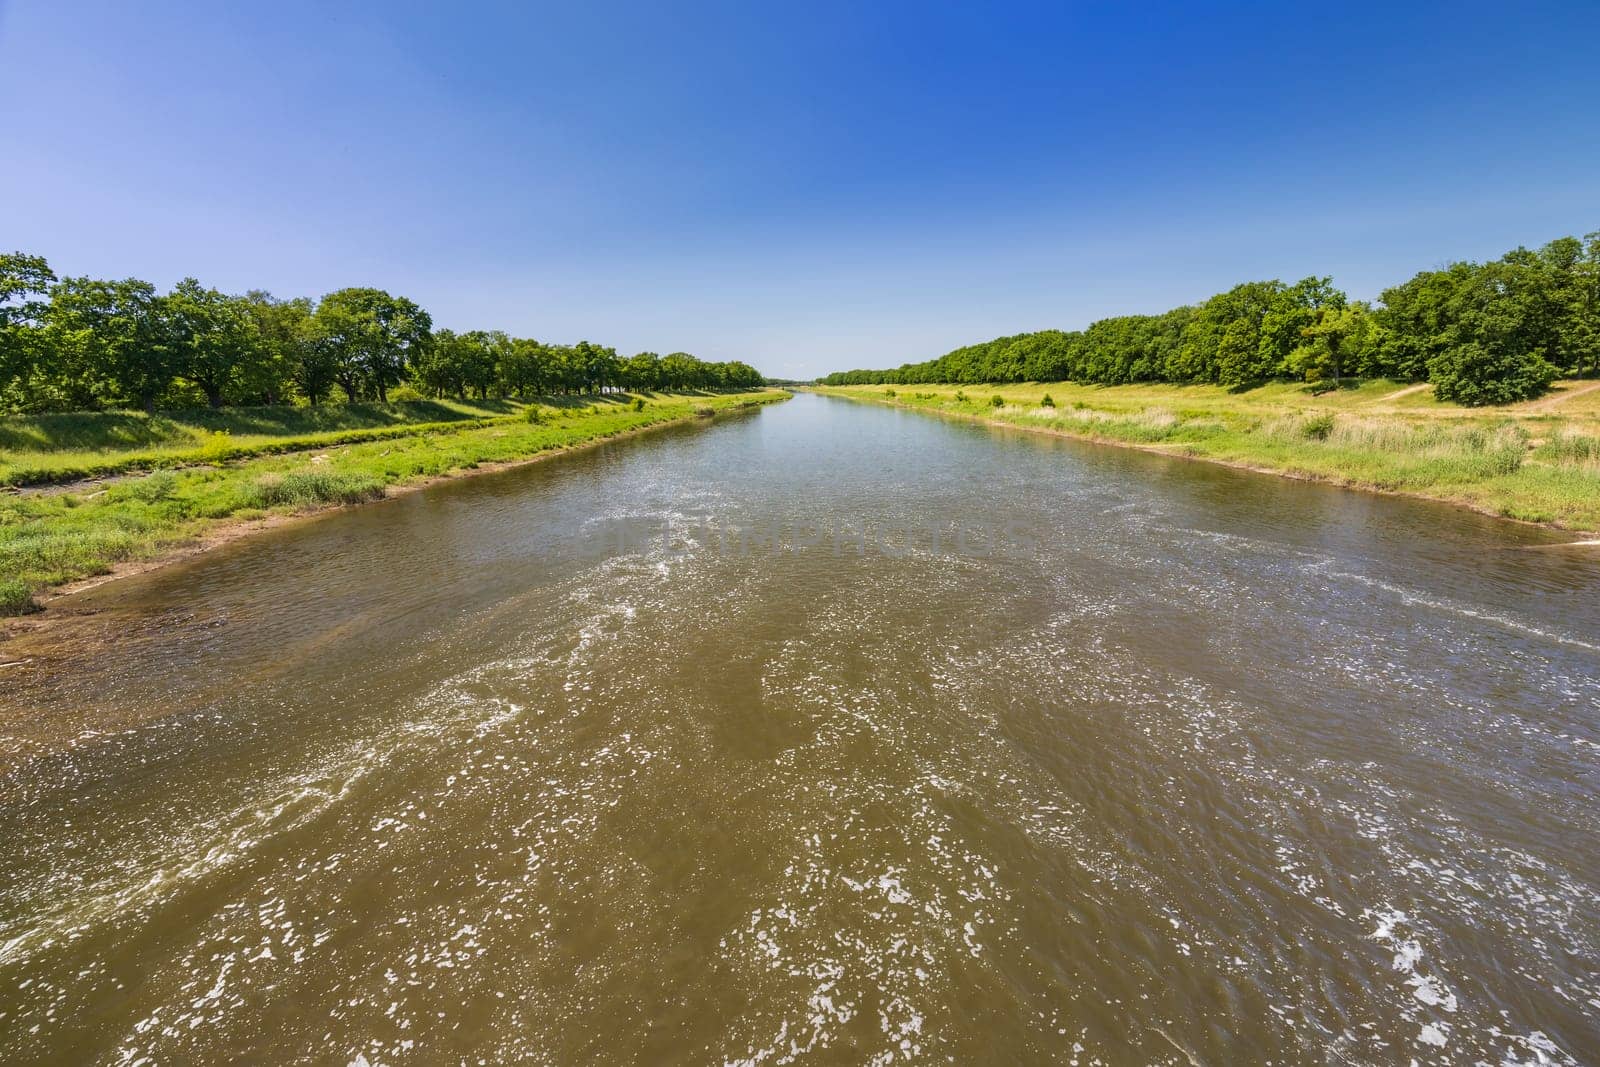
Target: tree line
x=1481 y=333
x=79 y=343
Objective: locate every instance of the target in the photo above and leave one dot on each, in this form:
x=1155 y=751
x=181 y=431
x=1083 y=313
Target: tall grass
x=1147 y=426
x=1571 y=447
x=1473 y=451
x=307 y=489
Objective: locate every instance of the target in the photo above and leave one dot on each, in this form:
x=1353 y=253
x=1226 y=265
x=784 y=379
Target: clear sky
x=809 y=187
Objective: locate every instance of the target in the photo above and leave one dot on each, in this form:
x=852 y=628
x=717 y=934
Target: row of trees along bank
x=70 y=344
x=1482 y=333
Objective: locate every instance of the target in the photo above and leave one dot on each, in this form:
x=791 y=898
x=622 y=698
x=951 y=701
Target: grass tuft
x=307 y=489
x=16 y=598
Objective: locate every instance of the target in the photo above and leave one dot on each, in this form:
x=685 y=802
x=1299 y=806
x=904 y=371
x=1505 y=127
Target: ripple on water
x=952 y=809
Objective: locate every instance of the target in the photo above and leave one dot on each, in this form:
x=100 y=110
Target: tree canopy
x=1484 y=333
x=78 y=343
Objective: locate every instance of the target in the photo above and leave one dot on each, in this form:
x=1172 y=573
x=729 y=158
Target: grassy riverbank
x=1538 y=461
x=283 y=461
x=46 y=449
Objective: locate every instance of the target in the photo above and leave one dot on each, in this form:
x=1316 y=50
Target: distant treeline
x=1482 y=333
x=71 y=344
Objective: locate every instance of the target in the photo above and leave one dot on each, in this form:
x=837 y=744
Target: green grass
x=308 y=489
x=49 y=537
x=1530 y=462
x=44 y=449
x=60 y=449
x=127 y=430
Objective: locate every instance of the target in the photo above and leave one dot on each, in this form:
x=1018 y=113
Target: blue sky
x=808 y=187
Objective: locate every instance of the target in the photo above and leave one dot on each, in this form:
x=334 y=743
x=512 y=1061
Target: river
x=825 y=733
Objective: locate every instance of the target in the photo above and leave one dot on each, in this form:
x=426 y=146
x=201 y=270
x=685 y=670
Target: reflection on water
x=1221 y=768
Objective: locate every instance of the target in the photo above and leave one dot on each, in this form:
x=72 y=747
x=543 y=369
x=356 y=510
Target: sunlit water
x=1207 y=767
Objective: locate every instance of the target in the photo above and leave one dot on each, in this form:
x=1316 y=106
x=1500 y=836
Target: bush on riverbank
x=15 y=597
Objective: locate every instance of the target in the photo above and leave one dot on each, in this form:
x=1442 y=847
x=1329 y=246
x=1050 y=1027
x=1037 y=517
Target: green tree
x=25 y=283
x=595 y=366
x=1300 y=307
x=1199 y=357
x=481 y=371
x=1327 y=342
x=445 y=365
x=372 y=338
x=1475 y=373
x=1239 y=359
x=562 y=371
x=296 y=354
x=1573 y=302
x=678 y=370
x=106 y=343
x=1497 y=331
x=523 y=367
x=642 y=371
x=214 y=340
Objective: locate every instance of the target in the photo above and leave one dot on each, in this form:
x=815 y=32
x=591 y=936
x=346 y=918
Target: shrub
x=1474 y=374
x=533 y=413
x=638 y=403
x=1048 y=401
x=150 y=489
x=15 y=597
x=997 y=401
x=1317 y=427
x=215 y=446
x=961 y=398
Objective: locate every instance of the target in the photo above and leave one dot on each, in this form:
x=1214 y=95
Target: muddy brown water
x=821 y=734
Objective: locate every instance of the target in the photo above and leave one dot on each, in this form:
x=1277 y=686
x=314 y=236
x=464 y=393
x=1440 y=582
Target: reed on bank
x=52 y=536
x=1537 y=462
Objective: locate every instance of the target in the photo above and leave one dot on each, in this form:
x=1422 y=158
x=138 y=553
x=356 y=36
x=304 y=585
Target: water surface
x=1144 y=761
